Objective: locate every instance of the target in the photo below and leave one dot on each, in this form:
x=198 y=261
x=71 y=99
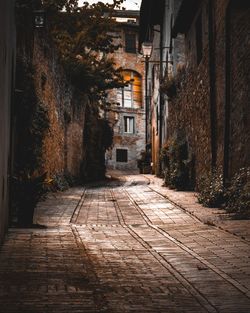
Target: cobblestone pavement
x=123 y=246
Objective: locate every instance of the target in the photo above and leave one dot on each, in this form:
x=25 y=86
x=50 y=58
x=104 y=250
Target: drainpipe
x=161 y=97
x=212 y=83
x=227 y=95
x=146 y=103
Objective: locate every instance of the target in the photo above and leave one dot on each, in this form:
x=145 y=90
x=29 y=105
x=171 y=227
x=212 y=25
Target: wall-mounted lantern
x=39 y=18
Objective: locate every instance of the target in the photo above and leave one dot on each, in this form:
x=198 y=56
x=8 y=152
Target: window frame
x=130 y=88
x=127 y=124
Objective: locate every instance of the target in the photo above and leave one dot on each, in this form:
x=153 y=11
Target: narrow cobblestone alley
x=122 y=246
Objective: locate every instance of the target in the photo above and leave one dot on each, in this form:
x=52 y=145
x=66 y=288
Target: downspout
x=146 y=104
x=212 y=83
x=12 y=117
x=227 y=95
x=161 y=97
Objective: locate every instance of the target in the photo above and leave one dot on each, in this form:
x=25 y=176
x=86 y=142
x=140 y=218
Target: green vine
x=178 y=163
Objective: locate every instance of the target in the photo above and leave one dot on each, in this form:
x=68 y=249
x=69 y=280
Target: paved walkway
x=125 y=246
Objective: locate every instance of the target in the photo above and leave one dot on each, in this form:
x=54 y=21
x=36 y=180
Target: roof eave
x=185 y=16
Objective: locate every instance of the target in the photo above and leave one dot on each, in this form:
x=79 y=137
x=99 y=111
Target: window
x=121 y=155
x=131 y=95
x=130 y=43
x=128 y=96
x=129 y=124
x=199 y=46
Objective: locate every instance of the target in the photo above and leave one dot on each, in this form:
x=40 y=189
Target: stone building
x=7 y=63
x=155 y=28
x=206 y=93
x=126 y=112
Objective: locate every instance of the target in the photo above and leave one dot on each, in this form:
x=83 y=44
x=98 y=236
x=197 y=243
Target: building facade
x=166 y=56
x=203 y=87
x=126 y=112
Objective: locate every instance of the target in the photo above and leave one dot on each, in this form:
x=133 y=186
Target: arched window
x=130 y=96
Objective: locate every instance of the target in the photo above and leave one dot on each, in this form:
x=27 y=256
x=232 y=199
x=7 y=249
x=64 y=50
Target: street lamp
x=146 y=49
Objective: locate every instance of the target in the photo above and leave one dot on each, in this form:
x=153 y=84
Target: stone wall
x=239 y=146
x=71 y=142
x=189 y=112
x=63 y=141
x=133 y=143
x=231 y=77
x=213 y=96
x=7 y=60
x=190 y=109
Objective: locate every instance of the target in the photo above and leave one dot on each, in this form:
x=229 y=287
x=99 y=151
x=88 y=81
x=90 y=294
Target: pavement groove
x=191 y=252
x=183 y=247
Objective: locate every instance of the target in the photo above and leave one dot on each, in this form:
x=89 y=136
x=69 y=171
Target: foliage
x=211 y=189
x=84 y=39
x=143 y=162
x=177 y=163
x=32 y=121
x=238 y=194
x=172 y=83
x=27 y=190
x=107 y=133
x=169 y=87
x=59 y=183
x=31 y=124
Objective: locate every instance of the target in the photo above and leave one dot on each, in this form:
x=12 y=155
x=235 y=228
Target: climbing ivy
x=178 y=163
x=32 y=121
